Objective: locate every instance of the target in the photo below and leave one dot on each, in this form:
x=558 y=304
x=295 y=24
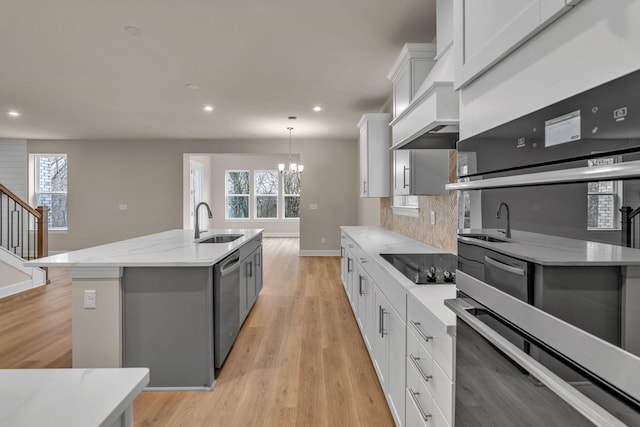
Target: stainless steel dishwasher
x=226 y=306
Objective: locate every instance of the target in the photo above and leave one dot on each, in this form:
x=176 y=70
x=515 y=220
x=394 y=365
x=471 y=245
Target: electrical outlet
x=323 y=240
x=433 y=217
x=89 y=299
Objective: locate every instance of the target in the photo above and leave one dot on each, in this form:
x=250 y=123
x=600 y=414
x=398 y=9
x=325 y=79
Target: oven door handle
x=504 y=267
x=566 y=392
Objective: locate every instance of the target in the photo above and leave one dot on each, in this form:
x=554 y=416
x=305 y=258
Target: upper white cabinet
x=375 y=161
x=444 y=25
x=409 y=71
x=419 y=172
x=485 y=32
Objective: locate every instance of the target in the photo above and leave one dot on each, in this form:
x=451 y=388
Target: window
x=237 y=194
x=50 y=187
x=603 y=200
x=291 y=193
x=266 y=188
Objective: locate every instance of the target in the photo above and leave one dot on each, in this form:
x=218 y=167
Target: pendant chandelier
x=290 y=168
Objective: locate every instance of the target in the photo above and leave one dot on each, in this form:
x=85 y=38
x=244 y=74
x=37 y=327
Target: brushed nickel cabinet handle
x=414 y=360
x=360 y=291
x=404 y=176
x=349 y=266
x=414 y=396
x=424 y=336
x=382 y=329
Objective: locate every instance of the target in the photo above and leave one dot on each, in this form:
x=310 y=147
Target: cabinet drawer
x=435 y=380
x=419 y=402
x=432 y=334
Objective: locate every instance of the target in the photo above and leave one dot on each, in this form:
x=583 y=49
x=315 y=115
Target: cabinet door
x=251 y=282
x=401 y=172
x=244 y=309
x=390 y=353
x=381 y=347
x=488 y=31
x=257 y=259
x=396 y=340
x=364 y=161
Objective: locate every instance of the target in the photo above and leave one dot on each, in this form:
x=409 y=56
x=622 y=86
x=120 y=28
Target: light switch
x=122 y=206
x=433 y=217
x=313 y=206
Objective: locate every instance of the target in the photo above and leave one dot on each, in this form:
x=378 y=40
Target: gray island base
x=155 y=303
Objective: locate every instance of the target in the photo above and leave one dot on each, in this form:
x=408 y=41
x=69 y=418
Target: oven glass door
x=498 y=384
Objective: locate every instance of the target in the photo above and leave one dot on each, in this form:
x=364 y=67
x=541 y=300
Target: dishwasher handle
x=230 y=264
x=504 y=267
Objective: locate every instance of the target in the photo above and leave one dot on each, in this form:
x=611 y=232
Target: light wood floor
x=299 y=359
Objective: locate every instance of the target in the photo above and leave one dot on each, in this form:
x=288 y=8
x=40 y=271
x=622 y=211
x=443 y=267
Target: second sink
x=484 y=237
x=222 y=238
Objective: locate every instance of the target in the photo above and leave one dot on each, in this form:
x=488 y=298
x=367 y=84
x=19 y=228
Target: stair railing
x=23 y=229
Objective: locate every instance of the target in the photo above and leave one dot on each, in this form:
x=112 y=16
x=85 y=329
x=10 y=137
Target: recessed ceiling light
x=317 y=108
x=208 y=108
x=134 y=31
x=13 y=113
x=191 y=86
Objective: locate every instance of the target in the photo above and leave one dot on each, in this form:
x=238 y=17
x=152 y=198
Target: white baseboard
x=16 y=288
x=280 y=234
x=332 y=252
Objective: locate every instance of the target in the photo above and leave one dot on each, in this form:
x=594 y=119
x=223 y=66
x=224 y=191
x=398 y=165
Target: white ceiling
x=73 y=71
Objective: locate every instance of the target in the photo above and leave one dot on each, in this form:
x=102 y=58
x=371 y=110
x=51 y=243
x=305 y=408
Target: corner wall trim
x=320 y=253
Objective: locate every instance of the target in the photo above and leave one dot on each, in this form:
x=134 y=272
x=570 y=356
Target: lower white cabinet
x=408 y=344
x=389 y=355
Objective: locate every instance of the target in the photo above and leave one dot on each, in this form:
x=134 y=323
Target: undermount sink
x=222 y=238
x=484 y=237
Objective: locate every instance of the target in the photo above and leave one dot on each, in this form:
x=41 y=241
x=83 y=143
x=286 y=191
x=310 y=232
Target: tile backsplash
x=443 y=234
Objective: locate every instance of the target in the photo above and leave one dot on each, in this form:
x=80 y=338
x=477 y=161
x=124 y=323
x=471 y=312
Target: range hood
x=431 y=119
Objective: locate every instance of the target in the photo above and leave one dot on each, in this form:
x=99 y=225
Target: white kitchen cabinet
x=420 y=172
x=375 y=140
x=364 y=291
x=409 y=71
x=485 y=32
x=444 y=25
x=389 y=354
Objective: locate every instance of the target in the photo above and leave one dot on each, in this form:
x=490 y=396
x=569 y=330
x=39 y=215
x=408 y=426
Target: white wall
x=13 y=166
x=595 y=42
x=148 y=176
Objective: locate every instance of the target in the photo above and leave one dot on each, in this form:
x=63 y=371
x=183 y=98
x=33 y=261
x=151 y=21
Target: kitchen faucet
x=197 y=226
x=508 y=231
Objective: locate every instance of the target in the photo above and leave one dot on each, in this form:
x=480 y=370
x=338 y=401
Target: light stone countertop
x=376 y=240
x=553 y=250
x=173 y=248
x=68 y=397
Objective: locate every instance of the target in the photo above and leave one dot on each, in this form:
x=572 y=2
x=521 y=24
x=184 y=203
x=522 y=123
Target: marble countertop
x=376 y=240
x=171 y=248
x=552 y=250
x=68 y=397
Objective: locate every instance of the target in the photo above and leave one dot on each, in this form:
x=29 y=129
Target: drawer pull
x=425 y=337
x=364 y=260
x=414 y=360
x=381 y=313
x=414 y=396
x=360 y=291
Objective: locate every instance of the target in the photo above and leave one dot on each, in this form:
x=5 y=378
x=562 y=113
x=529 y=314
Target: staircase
x=23 y=236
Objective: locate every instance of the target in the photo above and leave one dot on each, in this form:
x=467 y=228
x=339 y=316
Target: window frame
x=36 y=192
x=284 y=198
x=616 y=193
x=256 y=194
x=227 y=195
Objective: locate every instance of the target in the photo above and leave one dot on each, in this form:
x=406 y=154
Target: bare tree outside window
x=237 y=188
x=51 y=187
x=291 y=192
x=266 y=187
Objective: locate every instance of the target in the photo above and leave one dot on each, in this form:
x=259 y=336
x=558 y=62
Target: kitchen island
x=162 y=316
